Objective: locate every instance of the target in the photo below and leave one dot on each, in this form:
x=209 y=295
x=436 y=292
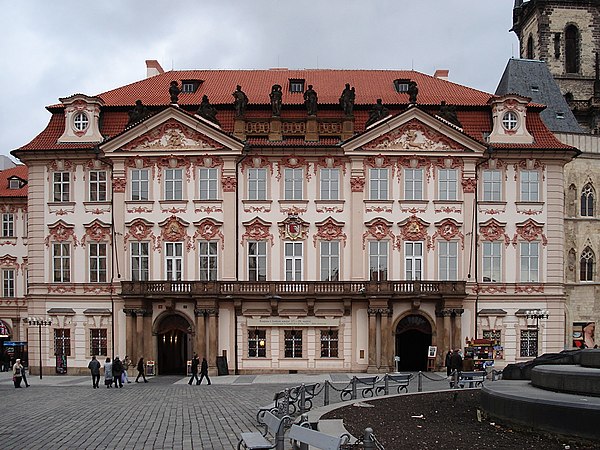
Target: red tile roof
x=472 y=105
x=19 y=171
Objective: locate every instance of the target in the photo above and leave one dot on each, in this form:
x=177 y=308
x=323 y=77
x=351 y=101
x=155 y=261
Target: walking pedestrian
x=24 y=375
x=94 y=367
x=141 y=368
x=456 y=365
x=117 y=370
x=447 y=362
x=108 y=375
x=126 y=364
x=195 y=364
x=204 y=371
x=17 y=373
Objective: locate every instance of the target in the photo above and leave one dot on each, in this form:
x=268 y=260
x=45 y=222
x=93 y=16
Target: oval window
x=509 y=121
x=80 y=121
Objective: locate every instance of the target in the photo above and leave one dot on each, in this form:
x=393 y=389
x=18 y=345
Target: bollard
x=302 y=397
x=368 y=442
x=386 y=387
x=286 y=402
x=420 y=382
x=326 y=395
x=354 y=381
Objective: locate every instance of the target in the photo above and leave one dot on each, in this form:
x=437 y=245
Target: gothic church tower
x=566 y=35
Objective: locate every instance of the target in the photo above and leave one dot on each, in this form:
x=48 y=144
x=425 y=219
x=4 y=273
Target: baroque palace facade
x=296 y=226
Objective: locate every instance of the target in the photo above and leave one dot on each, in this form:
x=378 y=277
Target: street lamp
x=34 y=321
x=537 y=314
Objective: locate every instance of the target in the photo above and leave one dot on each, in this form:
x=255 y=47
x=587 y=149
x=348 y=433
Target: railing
x=279 y=288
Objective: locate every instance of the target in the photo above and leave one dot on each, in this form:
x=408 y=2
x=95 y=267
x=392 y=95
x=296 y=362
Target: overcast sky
x=53 y=49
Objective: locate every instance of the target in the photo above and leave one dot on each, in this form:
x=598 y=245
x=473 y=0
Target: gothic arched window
x=572 y=49
x=586 y=265
x=530 y=47
x=587 y=201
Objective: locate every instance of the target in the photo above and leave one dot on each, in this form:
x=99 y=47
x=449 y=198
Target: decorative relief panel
x=119 y=184
x=61 y=289
x=96 y=231
x=293 y=228
x=257 y=162
x=530 y=164
x=208 y=230
x=468 y=185
x=379 y=229
x=357 y=184
x=493 y=231
x=412 y=229
x=293 y=162
x=229 y=184
x=448 y=229
x=448 y=162
x=329 y=230
x=172 y=135
x=8 y=262
x=142 y=162
x=139 y=230
x=60 y=165
x=530 y=231
x=61 y=232
x=293 y=210
x=529 y=289
x=330 y=162
x=174 y=162
x=415 y=162
x=257 y=230
x=413 y=135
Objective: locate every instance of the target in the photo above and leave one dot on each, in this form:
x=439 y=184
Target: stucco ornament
x=330 y=230
x=413 y=135
x=293 y=228
x=257 y=230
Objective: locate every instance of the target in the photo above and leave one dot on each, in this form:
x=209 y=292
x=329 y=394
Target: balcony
x=291 y=289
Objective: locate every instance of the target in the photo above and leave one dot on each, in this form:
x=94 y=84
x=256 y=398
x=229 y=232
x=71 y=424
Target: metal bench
x=256 y=440
x=365 y=385
x=281 y=406
x=303 y=436
x=472 y=379
x=400 y=381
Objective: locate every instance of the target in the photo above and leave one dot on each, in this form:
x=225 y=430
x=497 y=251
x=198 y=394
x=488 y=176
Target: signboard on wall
x=584 y=335
x=61 y=364
x=289 y=322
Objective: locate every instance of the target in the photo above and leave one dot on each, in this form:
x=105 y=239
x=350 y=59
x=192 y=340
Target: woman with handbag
x=17 y=373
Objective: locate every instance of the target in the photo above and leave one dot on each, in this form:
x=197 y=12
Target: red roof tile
x=19 y=171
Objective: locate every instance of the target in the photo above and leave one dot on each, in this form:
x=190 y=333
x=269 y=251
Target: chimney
x=153 y=68
x=442 y=74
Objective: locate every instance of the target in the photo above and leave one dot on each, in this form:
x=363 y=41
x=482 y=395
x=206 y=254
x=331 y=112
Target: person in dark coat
x=117 y=369
x=140 y=369
x=447 y=363
x=456 y=364
x=195 y=364
x=204 y=371
x=94 y=367
x=108 y=375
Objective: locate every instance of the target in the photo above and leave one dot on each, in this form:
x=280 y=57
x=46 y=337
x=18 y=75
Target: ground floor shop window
x=529 y=343
x=62 y=341
x=98 y=341
x=257 y=347
x=329 y=344
x=496 y=337
x=293 y=343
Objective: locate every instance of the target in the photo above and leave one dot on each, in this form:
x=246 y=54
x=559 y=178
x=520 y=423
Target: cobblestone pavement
x=64 y=412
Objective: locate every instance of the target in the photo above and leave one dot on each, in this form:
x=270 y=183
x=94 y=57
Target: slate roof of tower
x=522 y=76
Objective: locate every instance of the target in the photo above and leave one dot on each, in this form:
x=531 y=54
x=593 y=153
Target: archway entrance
x=172 y=338
x=413 y=338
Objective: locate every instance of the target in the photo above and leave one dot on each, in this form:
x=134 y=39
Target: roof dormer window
x=510 y=121
x=401 y=85
x=297 y=86
x=82 y=119
x=190 y=86
x=14 y=183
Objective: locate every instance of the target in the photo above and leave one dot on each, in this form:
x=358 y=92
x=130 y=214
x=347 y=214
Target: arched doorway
x=413 y=338
x=172 y=334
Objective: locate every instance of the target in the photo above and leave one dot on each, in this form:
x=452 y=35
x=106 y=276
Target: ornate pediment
x=413 y=135
x=172 y=135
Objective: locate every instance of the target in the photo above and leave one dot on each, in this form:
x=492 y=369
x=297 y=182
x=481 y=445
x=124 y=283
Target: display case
x=479 y=353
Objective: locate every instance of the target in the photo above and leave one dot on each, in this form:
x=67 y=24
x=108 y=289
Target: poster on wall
x=432 y=351
x=584 y=335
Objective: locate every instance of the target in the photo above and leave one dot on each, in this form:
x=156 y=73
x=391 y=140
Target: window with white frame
x=257 y=343
x=491 y=261
x=329 y=343
x=330 y=184
x=447 y=183
x=8 y=282
x=62 y=341
x=586 y=265
x=97 y=185
x=530 y=186
x=61 y=186
x=97 y=262
x=257 y=183
x=173 y=184
x=413 y=260
x=174 y=261
x=257 y=261
x=413 y=184
x=448 y=260
x=207 y=251
x=293 y=261
x=61 y=262
x=140 y=261
x=293 y=183
x=529 y=343
x=8 y=225
x=208 y=183
x=330 y=260
x=378 y=183
x=492 y=185
x=378 y=260
x=98 y=341
x=292 y=343
x=139 y=184
x=529 y=261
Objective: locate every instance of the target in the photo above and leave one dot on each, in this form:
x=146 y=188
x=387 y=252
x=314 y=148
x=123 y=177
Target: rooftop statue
x=310 y=100
x=138 y=112
x=174 y=91
x=207 y=111
x=240 y=101
x=275 y=96
x=448 y=112
x=413 y=91
x=347 y=100
x=377 y=113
